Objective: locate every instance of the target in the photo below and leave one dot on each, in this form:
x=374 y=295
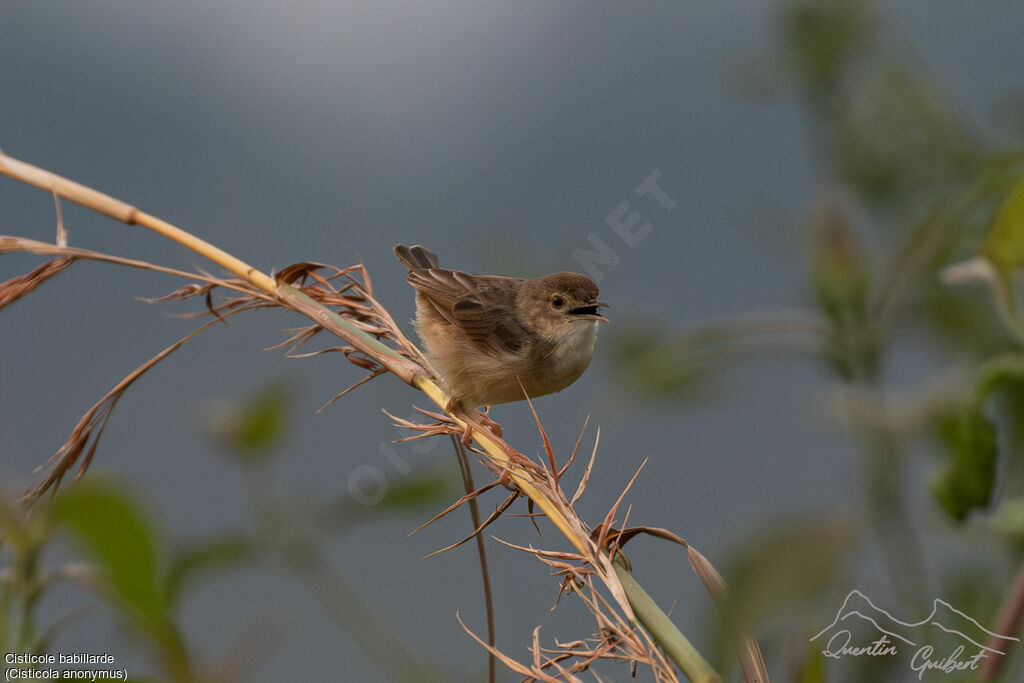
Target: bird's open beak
x=590 y=311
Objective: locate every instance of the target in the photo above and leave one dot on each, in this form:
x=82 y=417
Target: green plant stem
x=884 y=476
x=1006 y=307
x=661 y=628
x=890 y=518
x=285 y=533
x=880 y=457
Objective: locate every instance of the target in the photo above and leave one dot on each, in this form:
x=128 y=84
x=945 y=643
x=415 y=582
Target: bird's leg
x=456 y=408
x=473 y=418
x=506 y=480
x=467 y=434
x=485 y=417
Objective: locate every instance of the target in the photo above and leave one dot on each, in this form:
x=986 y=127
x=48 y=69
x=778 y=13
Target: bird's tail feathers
x=415 y=257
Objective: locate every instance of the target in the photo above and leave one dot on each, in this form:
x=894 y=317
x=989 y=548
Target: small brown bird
x=490 y=337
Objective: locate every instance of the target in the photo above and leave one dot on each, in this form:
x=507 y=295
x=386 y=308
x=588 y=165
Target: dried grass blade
x=751 y=659
x=575 y=449
x=298 y=271
x=300 y=336
x=558 y=555
x=318 y=352
x=602 y=531
x=62 y=233
x=315 y=274
x=13 y=244
x=455 y=505
x=425 y=430
x=181 y=294
x=543 y=433
x=376 y=373
x=513 y=664
x=533 y=516
x=626 y=534
x=483 y=525
x=208 y=299
x=440 y=417
x=585 y=479
x=20 y=285
x=94 y=420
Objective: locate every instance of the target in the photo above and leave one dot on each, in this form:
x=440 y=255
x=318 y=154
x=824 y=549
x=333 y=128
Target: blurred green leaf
x=1004 y=244
x=417 y=490
x=966 y=478
x=23 y=581
x=779 y=571
x=958 y=319
x=898 y=139
x=256 y=426
x=1008 y=520
x=841 y=277
x=822 y=37
x=1004 y=371
x=1011 y=407
x=842 y=271
x=24 y=535
x=221 y=553
x=116 y=532
x=976 y=590
x=888 y=132
x=657 y=367
x=812 y=667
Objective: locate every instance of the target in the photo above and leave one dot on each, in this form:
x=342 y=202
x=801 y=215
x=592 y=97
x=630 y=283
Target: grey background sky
x=499 y=134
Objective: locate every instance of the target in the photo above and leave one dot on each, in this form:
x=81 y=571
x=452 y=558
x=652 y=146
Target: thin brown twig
x=480 y=526
x=455 y=505
x=1008 y=623
x=481 y=549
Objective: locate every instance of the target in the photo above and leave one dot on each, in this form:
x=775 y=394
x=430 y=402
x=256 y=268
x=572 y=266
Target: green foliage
x=655 y=367
x=1004 y=244
x=841 y=272
x=189 y=564
x=841 y=279
x=897 y=140
x=812 y=667
x=964 y=481
x=22 y=578
x=884 y=129
x=960 y=322
x=145 y=580
x=255 y=428
x=422 y=490
x=914 y=187
x=114 y=531
x=1009 y=520
x=821 y=38
x=918 y=187
x=778 y=572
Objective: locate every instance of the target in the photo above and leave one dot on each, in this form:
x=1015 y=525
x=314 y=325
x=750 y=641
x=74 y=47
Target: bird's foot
x=485 y=418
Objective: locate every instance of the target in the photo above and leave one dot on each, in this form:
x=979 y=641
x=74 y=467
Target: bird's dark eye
x=557 y=302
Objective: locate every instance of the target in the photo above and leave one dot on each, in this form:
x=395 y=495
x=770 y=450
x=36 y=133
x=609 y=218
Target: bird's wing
x=481 y=306
x=415 y=257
